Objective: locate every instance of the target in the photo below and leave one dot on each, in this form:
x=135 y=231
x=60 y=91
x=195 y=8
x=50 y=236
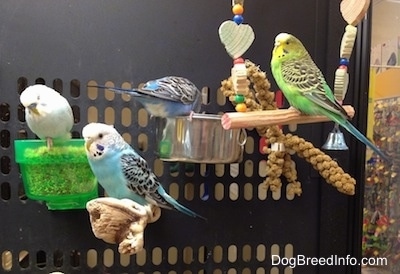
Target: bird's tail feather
x=182 y=208
x=353 y=130
x=132 y=92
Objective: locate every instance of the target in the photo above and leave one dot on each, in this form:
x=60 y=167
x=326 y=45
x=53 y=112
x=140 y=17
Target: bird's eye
x=100 y=135
x=287 y=42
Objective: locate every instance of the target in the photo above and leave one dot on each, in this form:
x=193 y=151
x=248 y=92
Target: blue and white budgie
x=305 y=87
x=169 y=96
x=47 y=113
x=122 y=172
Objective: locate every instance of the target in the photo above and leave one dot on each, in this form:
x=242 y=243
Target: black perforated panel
x=67 y=44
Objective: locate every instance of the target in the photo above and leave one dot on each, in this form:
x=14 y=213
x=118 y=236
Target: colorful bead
x=241 y=107
x=237 y=9
x=239 y=98
x=239 y=73
x=238 y=19
x=238 y=61
x=344 y=61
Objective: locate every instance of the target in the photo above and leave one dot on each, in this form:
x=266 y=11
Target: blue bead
x=344 y=61
x=238 y=19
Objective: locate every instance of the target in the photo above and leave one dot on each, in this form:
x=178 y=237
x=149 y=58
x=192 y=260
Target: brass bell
x=335 y=140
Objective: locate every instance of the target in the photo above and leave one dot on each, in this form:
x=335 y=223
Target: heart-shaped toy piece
x=353 y=11
x=237 y=39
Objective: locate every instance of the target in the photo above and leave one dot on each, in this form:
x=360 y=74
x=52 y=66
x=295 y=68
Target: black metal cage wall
x=67 y=44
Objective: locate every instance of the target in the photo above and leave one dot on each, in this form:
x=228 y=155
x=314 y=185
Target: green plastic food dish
x=61 y=176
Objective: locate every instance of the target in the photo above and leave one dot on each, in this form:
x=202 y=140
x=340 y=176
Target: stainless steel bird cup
x=199 y=139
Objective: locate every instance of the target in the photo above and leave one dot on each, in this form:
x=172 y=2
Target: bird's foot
x=191 y=115
x=295 y=109
x=153 y=213
x=49 y=143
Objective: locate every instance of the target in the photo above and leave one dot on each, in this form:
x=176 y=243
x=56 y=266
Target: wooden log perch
x=121 y=222
x=251 y=119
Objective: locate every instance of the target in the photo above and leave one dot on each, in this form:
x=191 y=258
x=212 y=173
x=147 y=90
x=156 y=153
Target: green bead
x=239 y=98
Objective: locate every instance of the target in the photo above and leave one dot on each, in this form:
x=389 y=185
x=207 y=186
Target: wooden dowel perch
x=231 y=120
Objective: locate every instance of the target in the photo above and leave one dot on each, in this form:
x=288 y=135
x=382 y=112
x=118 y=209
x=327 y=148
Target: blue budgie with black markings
x=122 y=172
x=169 y=96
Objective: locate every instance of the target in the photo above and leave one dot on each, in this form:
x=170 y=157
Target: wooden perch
x=121 y=222
x=251 y=119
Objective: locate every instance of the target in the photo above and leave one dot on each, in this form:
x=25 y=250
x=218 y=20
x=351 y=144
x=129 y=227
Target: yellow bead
x=237 y=9
x=241 y=107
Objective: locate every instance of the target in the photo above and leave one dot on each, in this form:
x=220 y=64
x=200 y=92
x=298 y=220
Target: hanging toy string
x=238 y=72
x=237 y=38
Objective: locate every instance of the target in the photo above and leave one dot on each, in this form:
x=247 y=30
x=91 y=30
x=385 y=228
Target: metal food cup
x=199 y=138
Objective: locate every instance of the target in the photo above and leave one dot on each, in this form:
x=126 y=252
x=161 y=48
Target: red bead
x=238 y=61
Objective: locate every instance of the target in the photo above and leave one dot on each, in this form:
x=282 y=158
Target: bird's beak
x=88 y=143
x=33 y=107
x=279 y=48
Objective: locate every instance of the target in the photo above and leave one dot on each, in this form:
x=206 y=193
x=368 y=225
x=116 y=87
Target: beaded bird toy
x=237 y=38
x=248 y=89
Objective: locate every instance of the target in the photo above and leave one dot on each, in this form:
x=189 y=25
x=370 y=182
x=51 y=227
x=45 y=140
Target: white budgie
x=47 y=113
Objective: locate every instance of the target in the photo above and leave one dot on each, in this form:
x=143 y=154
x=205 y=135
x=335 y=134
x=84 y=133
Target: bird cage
x=70 y=44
